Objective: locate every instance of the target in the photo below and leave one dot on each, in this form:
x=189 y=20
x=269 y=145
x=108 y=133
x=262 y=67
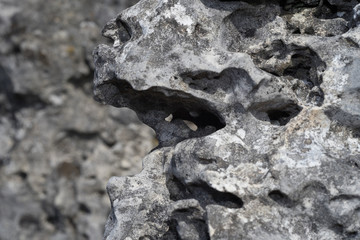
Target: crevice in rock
x=154 y=105
x=212 y=82
x=343 y=197
x=291 y=4
x=281 y=198
x=203 y=193
x=192 y=220
x=226 y=5
x=350 y=42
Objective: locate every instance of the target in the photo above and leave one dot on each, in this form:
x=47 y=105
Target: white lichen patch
x=178 y=12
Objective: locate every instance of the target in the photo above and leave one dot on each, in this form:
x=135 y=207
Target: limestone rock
x=256 y=108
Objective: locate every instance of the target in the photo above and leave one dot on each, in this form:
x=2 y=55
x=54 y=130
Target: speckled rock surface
x=59 y=147
x=256 y=106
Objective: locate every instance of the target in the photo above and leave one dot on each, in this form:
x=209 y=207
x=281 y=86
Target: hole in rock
x=296 y=31
x=124 y=30
x=304 y=67
x=22 y=174
x=279 y=116
x=277 y=113
x=84 y=208
x=356 y=165
x=174 y=115
x=302 y=73
x=281 y=198
x=191 y=221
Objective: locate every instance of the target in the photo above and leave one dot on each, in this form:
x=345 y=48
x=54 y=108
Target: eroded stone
x=272 y=87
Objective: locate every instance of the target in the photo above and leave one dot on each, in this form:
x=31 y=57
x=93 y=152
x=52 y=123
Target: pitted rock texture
x=256 y=106
x=59 y=147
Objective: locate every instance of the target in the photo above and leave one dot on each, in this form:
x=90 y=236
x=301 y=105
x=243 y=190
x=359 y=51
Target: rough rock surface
x=58 y=147
x=256 y=105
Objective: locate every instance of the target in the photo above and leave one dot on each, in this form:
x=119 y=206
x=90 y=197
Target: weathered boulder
x=256 y=106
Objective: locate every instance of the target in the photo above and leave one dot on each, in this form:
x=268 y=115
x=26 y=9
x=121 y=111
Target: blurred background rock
x=58 y=147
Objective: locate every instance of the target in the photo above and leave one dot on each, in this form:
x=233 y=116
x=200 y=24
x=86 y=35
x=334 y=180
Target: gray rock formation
x=58 y=147
x=256 y=106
